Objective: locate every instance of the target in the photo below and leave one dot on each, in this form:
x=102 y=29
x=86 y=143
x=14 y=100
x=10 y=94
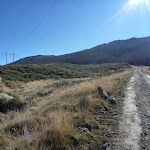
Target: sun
x=132 y=5
x=136 y=3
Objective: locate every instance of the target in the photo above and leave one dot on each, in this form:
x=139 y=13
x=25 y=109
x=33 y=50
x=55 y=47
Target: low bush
x=11 y=105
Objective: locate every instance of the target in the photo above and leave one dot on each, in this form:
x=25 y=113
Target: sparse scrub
x=53 y=118
x=25 y=73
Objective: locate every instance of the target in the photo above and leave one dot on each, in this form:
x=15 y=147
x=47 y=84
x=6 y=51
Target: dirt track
x=134 y=127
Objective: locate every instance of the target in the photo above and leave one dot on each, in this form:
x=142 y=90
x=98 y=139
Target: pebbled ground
x=134 y=126
x=142 y=89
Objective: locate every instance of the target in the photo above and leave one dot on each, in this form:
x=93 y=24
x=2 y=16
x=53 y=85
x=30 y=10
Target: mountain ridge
x=135 y=51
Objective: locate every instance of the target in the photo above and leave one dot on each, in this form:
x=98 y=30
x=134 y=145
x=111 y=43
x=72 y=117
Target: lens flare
x=131 y=6
x=136 y=2
x=148 y=5
x=28 y=135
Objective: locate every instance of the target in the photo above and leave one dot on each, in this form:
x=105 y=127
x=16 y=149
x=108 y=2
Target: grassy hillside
x=57 y=111
x=55 y=114
x=46 y=71
x=135 y=51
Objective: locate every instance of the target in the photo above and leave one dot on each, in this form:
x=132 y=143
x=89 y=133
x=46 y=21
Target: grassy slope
x=45 y=71
x=57 y=108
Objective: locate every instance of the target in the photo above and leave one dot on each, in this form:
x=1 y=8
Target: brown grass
x=146 y=70
x=58 y=115
x=5 y=89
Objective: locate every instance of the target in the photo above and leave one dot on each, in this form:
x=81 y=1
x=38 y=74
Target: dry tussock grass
x=57 y=134
x=35 y=85
x=53 y=124
x=5 y=89
x=107 y=83
x=52 y=132
x=146 y=70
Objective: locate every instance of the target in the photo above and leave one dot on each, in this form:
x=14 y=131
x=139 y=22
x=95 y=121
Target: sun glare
x=148 y=4
x=135 y=2
x=132 y=5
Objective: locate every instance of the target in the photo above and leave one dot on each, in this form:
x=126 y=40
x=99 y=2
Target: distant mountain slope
x=135 y=51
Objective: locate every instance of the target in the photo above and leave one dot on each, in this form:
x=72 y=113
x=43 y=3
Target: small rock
x=84 y=129
x=106 y=109
x=100 y=90
x=103 y=93
x=104 y=146
x=33 y=109
x=144 y=147
x=88 y=126
x=146 y=138
x=98 y=119
x=2 y=95
x=112 y=100
x=74 y=141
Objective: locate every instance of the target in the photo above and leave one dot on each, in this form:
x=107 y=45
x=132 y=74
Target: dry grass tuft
x=5 y=89
x=146 y=70
x=57 y=135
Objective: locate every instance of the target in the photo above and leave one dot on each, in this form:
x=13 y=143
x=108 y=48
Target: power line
x=41 y=20
x=13 y=54
x=59 y=22
x=21 y=18
x=6 y=56
x=17 y=27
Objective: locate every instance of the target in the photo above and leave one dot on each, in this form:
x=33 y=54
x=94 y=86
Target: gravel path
x=134 y=127
x=130 y=125
x=142 y=89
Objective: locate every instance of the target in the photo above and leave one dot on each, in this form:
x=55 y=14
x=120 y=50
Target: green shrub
x=13 y=105
x=32 y=72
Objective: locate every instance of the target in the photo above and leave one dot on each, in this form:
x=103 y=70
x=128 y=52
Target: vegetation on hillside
x=64 y=113
x=46 y=71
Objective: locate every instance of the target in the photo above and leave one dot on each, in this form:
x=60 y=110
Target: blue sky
x=55 y=27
